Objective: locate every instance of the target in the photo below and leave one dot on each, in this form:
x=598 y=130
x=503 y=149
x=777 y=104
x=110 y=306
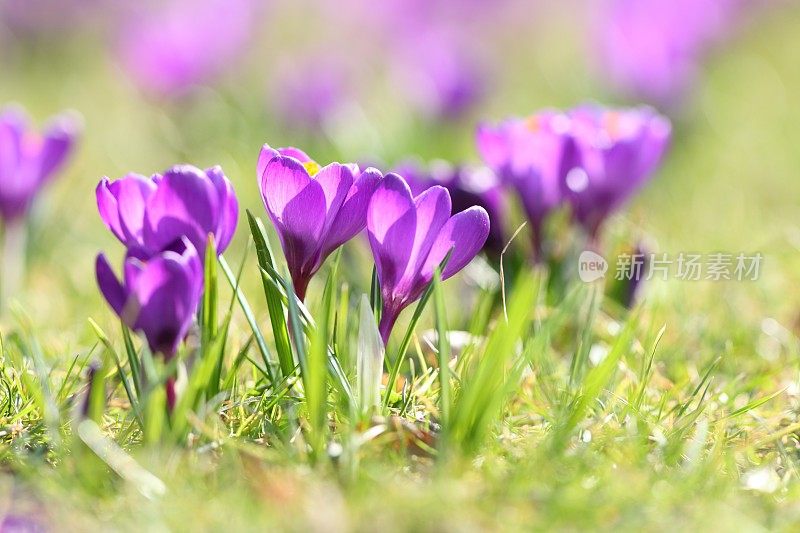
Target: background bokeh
x=208 y=82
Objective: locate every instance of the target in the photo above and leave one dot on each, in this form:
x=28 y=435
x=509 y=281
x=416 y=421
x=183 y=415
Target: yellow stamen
x=312 y=167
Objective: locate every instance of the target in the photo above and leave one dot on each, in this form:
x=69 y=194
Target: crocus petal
x=13 y=124
x=168 y=291
x=296 y=153
x=184 y=204
x=228 y=205
x=297 y=206
x=465 y=233
x=352 y=215
x=492 y=146
x=391 y=224
x=58 y=143
x=433 y=209
x=336 y=181
x=112 y=289
x=122 y=204
x=267 y=153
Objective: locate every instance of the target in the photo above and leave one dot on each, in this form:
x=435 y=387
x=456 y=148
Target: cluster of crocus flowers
x=468 y=186
x=164 y=222
x=591 y=158
x=317 y=209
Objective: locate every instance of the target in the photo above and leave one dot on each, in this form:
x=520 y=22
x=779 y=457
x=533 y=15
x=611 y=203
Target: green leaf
x=443 y=347
x=369 y=360
x=132 y=398
x=133 y=359
x=492 y=379
x=261 y=344
x=274 y=302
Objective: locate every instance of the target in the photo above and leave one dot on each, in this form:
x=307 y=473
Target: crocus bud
x=157 y=296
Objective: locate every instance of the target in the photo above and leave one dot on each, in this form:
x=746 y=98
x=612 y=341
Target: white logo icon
x=591 y=266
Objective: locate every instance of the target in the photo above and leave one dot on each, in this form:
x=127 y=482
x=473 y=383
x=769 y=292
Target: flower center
x=312 y=167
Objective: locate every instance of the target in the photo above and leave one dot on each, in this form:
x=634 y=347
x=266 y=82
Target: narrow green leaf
x=369 y=359
x=486 y=386
x=581 y=356
x=375 y=295
x=274 y=305
x=133 y=359
x=443 y=347
x=132 y=398
x=261 y=344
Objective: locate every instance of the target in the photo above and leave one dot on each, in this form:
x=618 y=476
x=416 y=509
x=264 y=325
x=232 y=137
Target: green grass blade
x=487 y=385
x=133 y=359
x=132 y=398
x=401 y=353
x=369 y=360
x=274 y=303
x=261 y=344
x=443 y=348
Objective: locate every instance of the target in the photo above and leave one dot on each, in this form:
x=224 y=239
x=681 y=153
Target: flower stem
x=388 y=318
x=13 y=262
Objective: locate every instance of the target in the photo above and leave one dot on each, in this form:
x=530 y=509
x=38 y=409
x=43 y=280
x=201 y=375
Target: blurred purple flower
x=527 y=155
x=410 y=237
x=610 y=155
x=154 y=214
x=310 y=91
x=315 y=210
x=172 y=46
x=440 y=75
x=468 y=186
x=652 y=49
x=28 y=160
x=21 y=523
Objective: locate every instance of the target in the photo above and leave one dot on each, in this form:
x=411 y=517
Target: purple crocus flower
x=468 y=186
x=29 y=160
x=410 y=237
x=527 y=155
x=158 y=296
x=153 y=214
x=652 y=49
x=315 y=210
x=172 y=46
x=610 y=155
